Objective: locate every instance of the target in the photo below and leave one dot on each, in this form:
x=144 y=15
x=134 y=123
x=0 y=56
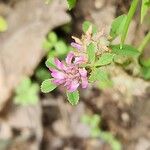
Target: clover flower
x=70 y=74
x=100 y=39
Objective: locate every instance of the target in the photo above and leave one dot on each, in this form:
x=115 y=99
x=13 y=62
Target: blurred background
x=106 y=118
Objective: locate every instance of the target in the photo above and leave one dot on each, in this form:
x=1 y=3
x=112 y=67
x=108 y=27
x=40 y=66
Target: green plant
x=55 y=47
x=92 y=55
x=26 y=92
x=94 y=122
x=71 y=3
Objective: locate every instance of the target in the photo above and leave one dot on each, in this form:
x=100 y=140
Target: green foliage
x=144 y=8
x=3 y=24
x=52 y=38
x=94 y=76
x=145 y=62
x=117 y=26
x=128 y=20
x=104 y=80
x=50 y=62
x=105 y=59
x=42 y=74
x=109 y=138
x=73 y=97
x=61 y=48
x=91 y=52
x=145 y=72
x=86 y=25
x=54 y=46
x=126 y=50
x=26 y=92
x=94 y=121
x=71 y=4
x=47 y=45
x=47 y=86
x=102 y=77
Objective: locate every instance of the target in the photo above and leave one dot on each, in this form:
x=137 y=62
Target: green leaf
x=101 y=76
x=109 y=138
x=91 y=52
x=104 y=80
x=71 y=4
x=52 y=53
x=145 y=71
x=95 y=121
x=94 y=75
x=50 y=63
x=73 y=97
x=52 y=37
x=24 y=85
x=26 y=92
x=144 y=8
x=48 y=86
x=47 y=45
x=98 y=74
x=95 y=132
x=61 y=47
x=42 y=74
x=105 y=59
x=145 y=62
x=3 y=24
x=117 y=26
x=126 y=50
x=86 y=25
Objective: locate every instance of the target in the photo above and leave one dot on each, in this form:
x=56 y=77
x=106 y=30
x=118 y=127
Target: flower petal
x=83 y=72
x=79 y=60
x=76 y=45
x=60 y=65
x=58 y=81
x=73 y=86
x=57 y=74
x=84 y=83
x=69 y=58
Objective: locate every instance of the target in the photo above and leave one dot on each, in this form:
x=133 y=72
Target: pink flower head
x=70 y=74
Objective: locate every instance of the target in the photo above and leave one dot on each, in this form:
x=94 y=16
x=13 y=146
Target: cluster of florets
x=73 y=72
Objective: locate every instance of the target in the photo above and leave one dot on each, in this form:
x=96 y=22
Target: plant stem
x=129 y=18
x=144 y=42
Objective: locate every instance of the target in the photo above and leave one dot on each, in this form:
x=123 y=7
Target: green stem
x=145 y=41
x=129 y=18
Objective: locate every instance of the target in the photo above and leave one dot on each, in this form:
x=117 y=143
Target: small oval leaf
x=91 y=52
x=117 y=26
x=50 y=63
x=105 y=59
x=47 y=86
x=126 y=50
x=73 y=97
